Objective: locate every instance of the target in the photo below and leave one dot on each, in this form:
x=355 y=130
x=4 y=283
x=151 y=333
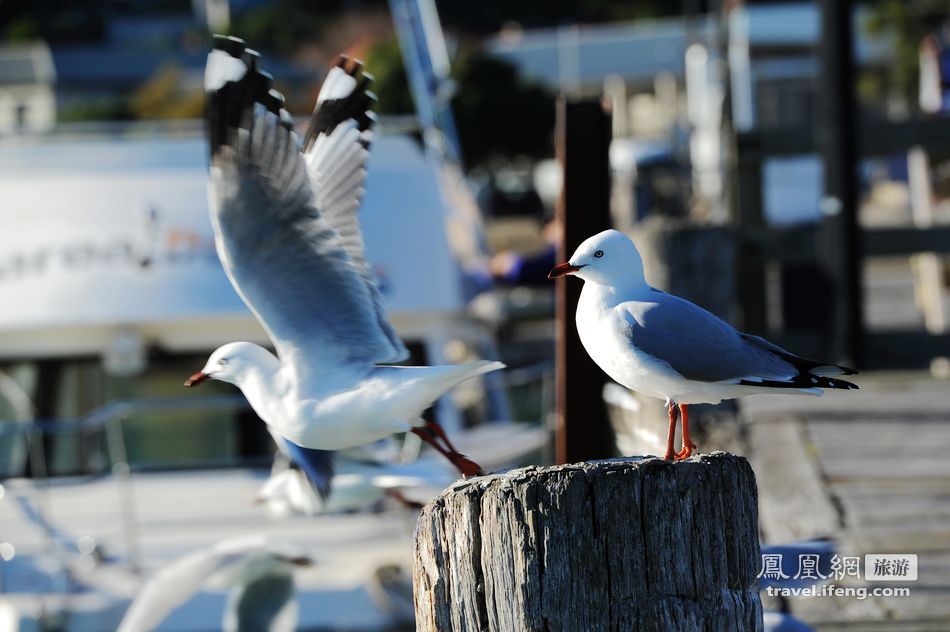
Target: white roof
x=100 y=234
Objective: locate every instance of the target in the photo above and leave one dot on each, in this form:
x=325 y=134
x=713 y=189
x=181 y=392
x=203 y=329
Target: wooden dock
x=869 y=469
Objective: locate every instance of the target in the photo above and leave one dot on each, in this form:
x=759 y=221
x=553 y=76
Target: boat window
x=16 y=411
x=59 y=396
x=200 y=437
x=66 y=398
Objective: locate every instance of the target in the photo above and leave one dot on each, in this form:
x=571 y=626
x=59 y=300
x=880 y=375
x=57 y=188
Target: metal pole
x=426 y=60
x=840 y=243
x=122 y=471
x=583 y=143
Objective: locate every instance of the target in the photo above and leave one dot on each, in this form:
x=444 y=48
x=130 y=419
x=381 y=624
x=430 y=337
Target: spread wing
x=297 y=267
x=336 y=157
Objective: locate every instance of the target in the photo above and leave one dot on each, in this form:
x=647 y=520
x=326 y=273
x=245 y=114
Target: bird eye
x=222 y=362
x=599 y=254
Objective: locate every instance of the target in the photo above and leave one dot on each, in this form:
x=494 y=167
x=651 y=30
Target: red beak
x=196 y=379
x=561 y=269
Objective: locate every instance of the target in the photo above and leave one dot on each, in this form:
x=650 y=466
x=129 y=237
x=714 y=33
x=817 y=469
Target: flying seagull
x=287 y=234
x=666 y=347
x=258 y=573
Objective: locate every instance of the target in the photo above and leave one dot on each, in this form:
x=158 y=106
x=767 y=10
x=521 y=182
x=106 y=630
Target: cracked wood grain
x=622 y=544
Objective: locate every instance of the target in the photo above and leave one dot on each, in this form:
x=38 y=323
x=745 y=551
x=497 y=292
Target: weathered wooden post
x=621 y=544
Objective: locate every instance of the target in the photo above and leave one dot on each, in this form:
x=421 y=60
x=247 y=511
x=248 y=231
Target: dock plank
x=878 y=459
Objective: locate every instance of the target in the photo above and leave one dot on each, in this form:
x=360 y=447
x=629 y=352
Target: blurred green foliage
x=384 y=62
x=103 y=109
x=277 y=26
x=489 y=16
x=161 y=97
x=498 y=113
x=280 y=25
x=52 y=20
x=283 y=25
x=908 y=21
x=23 y=28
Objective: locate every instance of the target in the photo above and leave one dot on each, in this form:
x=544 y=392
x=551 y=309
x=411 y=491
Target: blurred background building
x=723 y=129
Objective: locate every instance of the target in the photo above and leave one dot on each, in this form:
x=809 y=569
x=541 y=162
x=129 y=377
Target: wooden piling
x=621 y=544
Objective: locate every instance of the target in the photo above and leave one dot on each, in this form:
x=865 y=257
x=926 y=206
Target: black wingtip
x=357 y=105
x=803 y=381
x=233 y=46
x=803 y=365
x=830 y=382
x=274 y=101
x=227 y=104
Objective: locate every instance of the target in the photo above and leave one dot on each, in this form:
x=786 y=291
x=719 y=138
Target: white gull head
x=232 y=362
x=609 y=258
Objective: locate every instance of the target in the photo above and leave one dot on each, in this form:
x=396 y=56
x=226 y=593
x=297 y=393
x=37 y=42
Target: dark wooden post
x=841 y=253
x=583 y=146
x=624 y=544
x=748 y=216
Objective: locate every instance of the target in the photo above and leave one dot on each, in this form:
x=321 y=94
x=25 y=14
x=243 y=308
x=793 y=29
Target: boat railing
x=107 y=419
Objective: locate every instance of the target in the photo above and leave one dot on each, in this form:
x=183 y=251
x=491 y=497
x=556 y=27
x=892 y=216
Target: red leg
x=688 y=445
x=439 y=431
x=411 y=504
x=465 y=465
x=671 y=405
x=428 y=438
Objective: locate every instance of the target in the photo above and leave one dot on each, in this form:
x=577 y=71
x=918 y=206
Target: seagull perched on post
x=286 y=231
x=666 y=347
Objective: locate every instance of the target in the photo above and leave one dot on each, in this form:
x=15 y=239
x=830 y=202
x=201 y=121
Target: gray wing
x=336 y=149
x=283 y=256
x=698 y=345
